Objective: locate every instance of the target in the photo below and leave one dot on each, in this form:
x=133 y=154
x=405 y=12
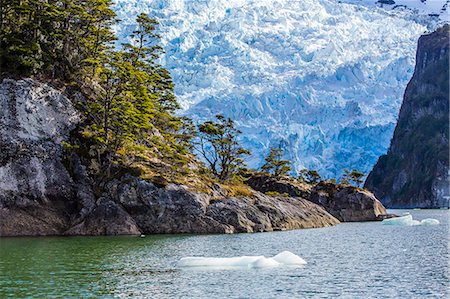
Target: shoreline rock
x=346 y=203
x=175 y=209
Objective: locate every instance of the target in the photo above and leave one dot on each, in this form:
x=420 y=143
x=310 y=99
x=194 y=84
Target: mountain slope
x=321 y=78
x=414 y=173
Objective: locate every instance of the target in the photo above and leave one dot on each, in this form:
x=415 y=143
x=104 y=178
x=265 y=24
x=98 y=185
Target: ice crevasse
x=322 y=79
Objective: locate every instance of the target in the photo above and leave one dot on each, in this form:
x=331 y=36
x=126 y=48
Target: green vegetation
x=309 y=176
x=217 y=144
x=55 y=39
x=126 y=97
x=275 y=164
x=354 y=176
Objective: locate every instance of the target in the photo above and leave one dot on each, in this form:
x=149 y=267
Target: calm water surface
x=351 y=260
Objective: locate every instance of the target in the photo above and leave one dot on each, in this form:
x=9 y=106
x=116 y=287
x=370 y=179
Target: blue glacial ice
x=322 y=79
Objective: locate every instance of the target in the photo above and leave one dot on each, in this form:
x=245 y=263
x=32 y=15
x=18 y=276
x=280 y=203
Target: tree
x=309 y=176
x=127 y=98
x=275 y=164
x=54 y=38
x=128 y=102
x=217 y=144
x=354 y=176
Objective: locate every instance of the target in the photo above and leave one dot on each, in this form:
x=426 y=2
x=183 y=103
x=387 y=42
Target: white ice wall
x=322 y=78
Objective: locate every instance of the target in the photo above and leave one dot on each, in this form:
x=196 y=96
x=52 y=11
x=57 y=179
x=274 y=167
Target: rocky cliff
x=36 y=191
x=346 y=203
x=45 y=191
x=414 y=172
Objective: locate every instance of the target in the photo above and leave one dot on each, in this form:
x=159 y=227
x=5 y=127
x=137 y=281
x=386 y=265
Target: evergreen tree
x=354 y=176
x=309 y=176
x=275 y=163
x=130 y=102
x=53 y=38
x=219 y=147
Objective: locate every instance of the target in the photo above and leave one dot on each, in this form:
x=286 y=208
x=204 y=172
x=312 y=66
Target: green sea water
x=350 y=260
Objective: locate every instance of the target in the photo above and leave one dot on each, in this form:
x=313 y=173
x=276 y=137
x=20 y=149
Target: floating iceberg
x=284 y=258
x=408 y=220
x=429 y=221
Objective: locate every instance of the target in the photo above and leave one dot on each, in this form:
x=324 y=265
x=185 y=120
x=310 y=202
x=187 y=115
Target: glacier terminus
x=322 y=79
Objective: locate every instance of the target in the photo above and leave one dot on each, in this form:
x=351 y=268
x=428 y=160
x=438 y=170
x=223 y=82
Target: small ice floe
x=284 y=258
x=429 y=221
x=407 y=220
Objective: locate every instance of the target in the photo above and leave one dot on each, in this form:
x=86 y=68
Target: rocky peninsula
x=44 y=190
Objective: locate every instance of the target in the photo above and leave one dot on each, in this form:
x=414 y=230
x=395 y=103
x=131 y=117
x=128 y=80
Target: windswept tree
x=309 y=176
x=217 y=144
x=354 y=176
x=275 y=164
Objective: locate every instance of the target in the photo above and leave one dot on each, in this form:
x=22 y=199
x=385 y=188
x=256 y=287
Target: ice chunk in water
x=407 y=220
x=242 y=261
x=283 y=258
x=415 y=222
x=429 y=221
x=404 y=220
x=288 y=258
x=263 y=262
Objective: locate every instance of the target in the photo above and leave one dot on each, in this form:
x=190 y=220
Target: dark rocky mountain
x=415 y=171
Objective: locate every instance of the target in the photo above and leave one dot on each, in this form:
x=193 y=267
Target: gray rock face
x=35 y=188
x=267 y=183
x=346 y=203
x=415 y=171
x=106 y=218
x=264 y=213
x=175 y=209
x=39 y=196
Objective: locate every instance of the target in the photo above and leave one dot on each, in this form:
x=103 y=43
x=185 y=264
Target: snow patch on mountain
x=322 y=79
x=431 y=13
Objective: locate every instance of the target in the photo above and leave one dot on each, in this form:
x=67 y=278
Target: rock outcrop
x=175 y=209
x=44 y=192
x=346 y=203
x=36 y=191
x=414 y=172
